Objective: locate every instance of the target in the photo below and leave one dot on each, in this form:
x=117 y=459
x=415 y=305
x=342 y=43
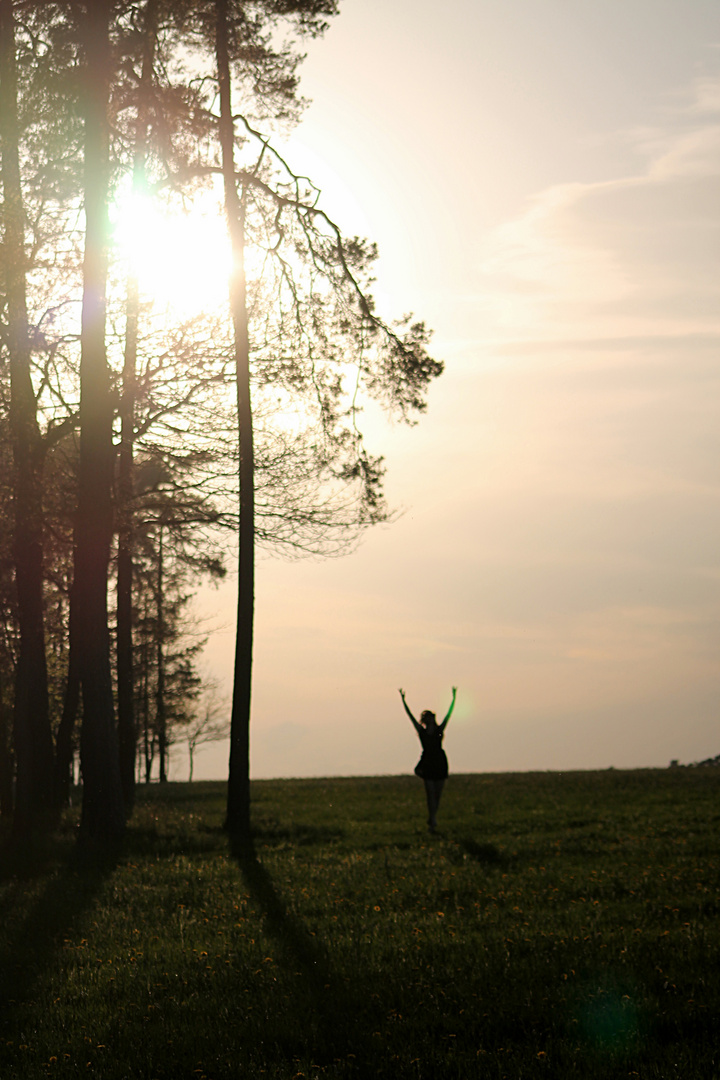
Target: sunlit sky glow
x=182 y=260
x=542 y=180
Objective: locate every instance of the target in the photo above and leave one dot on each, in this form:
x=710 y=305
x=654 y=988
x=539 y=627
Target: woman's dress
x=433 y=763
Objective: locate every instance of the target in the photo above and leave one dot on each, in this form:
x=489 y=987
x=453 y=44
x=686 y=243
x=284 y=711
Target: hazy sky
x=542 y=178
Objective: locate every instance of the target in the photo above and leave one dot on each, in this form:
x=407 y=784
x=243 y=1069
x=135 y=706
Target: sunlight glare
x=182 y=260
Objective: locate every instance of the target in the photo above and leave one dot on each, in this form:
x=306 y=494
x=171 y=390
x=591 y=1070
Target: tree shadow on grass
x=30 y=945
x=337 y=1009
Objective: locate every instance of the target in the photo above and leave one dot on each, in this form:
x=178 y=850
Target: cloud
x=634 y=256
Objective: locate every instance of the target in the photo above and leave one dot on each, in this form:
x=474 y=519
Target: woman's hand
x=402 y=694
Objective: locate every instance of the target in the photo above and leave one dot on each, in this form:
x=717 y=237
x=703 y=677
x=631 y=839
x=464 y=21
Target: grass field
x=559 y=925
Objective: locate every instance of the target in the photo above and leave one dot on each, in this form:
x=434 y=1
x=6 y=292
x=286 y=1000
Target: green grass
x=560 y=925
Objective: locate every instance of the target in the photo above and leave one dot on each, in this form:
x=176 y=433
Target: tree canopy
x=169 y=426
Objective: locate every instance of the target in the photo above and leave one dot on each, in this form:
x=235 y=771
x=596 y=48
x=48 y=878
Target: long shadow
x=67 y=895
x=488 y=854
x=28 y=857
x=339 y=1010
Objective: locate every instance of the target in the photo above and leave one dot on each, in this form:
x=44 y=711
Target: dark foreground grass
x=559 y=926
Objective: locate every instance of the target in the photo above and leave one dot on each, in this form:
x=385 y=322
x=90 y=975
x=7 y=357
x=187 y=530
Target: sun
x=182 y=259
x=182 y=256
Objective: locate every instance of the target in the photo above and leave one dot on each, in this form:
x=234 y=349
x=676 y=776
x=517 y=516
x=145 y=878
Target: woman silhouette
x=432 y=767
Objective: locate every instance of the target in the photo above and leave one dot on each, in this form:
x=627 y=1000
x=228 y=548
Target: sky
x=542 y=181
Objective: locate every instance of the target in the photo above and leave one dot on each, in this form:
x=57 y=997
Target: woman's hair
x=426 y=716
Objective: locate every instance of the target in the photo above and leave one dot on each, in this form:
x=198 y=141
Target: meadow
x=558 y=925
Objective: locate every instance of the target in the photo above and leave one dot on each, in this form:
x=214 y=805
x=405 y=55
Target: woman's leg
x=433 y=791
x=432 y=808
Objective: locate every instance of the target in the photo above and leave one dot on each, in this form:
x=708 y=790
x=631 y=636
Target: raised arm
x=452 y=706
x=407 y=710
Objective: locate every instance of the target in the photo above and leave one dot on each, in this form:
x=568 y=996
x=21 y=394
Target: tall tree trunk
x=32 y=733
x=127 y=737
x=102 y=810
x=64 y=741
x=160 y=714
x=237 y=820
x=6 y=756
x=7 y=697
x=148 y=747
x=127 y=732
